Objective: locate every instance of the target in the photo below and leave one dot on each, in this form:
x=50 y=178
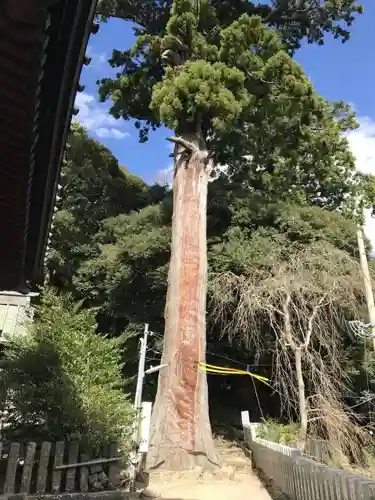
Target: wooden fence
x=38 y=469
x=319 y=450
x=301 y=478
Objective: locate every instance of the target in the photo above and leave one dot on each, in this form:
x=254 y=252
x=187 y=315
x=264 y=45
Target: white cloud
x=362 y=144
x=370 y=228
x=97 y=58
x=111 y=133
x=164 y=176
x=95 y=117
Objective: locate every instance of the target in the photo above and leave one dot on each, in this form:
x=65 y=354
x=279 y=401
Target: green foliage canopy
x=256 y=109
x=298 y=20
x=94 y=188
x=64 y=381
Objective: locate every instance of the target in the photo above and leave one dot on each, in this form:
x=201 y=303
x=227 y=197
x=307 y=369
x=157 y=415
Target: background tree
x=303 y=296
x=94 y=188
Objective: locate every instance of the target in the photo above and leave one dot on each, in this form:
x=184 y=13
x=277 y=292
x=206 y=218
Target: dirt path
x=236 y=481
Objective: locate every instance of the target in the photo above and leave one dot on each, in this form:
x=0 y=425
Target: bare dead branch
x=287 y=322
x=311 y=321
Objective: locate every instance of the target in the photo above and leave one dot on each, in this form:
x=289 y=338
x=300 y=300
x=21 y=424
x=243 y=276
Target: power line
x=227 y=358
x=258 y=400
x=155 y=351
x=233 y=360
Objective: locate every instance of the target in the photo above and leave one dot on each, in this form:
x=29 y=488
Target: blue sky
x=338 y=71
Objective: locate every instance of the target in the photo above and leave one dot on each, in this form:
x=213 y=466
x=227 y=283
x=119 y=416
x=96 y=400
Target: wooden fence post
x=58 y=460
x=10 y=475
x=114 y=467
x=27 y=468
x=84 y=474
x=71 y=472
x=45 y=452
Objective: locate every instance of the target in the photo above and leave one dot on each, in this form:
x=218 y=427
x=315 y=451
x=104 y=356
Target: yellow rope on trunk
x=231 y=371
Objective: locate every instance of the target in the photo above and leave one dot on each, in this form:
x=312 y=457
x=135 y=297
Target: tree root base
x=185 y=462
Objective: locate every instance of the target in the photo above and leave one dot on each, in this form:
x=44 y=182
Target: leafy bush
x=280 y=433
x=64 y=381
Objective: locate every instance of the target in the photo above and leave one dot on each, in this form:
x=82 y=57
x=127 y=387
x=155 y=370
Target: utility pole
x=137 y=405
x=367 y=282
x=141 y=369
x=139 y=452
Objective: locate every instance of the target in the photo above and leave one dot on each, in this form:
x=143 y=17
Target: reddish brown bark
x=181 y=435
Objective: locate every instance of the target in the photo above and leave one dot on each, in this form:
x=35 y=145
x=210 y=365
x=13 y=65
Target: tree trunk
x=181 y=436
x=367 y=283
x=301 y=398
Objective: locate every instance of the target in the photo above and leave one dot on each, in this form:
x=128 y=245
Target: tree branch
x=287 y=323
x=258 y=79
x=313 y=419
x=210 y=165
x=276 y=11
x=311 y=321
x=172 y=58
x=188 y=145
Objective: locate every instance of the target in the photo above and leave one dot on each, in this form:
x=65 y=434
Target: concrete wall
x=15 y=312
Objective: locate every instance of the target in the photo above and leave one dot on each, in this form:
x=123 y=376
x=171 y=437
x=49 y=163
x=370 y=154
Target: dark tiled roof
x=41 y=53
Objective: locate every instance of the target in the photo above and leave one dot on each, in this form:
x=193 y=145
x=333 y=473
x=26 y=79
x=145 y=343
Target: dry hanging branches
x=295 y=310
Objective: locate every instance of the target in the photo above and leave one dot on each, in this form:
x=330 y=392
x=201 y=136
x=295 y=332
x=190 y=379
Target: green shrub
x=64 y=381
x=280 y=433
